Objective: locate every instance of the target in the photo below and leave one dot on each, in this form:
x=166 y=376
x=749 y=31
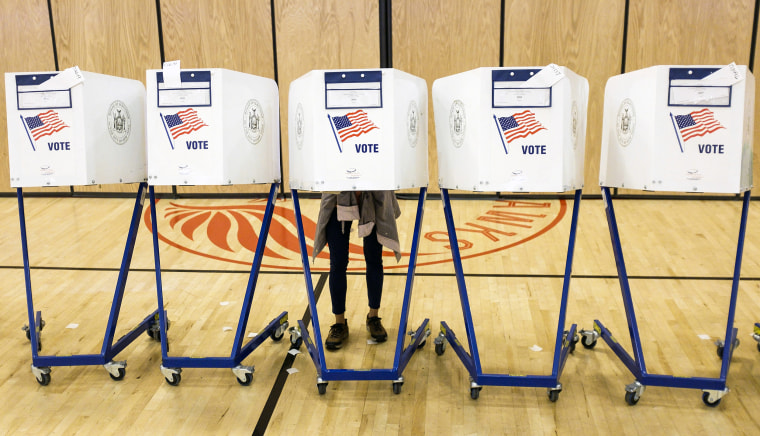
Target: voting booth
x=511 y=129
x=358 y=130
x=520 y=129
x=684 y=129
x=74 y=127
x=214 y=127
x=679 y=128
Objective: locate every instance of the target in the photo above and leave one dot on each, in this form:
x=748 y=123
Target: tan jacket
x=382 y=213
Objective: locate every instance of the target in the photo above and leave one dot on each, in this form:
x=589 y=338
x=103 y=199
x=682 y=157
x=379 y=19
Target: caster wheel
x=28 y=333
x=588 y=343
x=422 y=344
x=440 y=348
x=475 y=393
x=322 y=388
x=154 y=334
x=720 y=351
x=758 y=346
x=44 y=380
x=122 y=373
x=248 y=378
x=174 y=380
x=397 y=388
x=296 y=342
x=706 y=400
x=553 y=395
x=631 y=399
x=275 y=337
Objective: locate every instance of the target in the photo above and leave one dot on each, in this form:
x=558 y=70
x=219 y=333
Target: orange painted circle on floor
x=230 y=233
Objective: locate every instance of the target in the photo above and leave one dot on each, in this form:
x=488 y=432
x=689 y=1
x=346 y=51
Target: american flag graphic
x=183 y=122
x=697 y=123
x=353 y=124
x=43 y=124
x=519 y=125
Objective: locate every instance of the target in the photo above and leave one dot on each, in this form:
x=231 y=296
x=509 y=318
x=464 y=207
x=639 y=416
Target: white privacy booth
x=75 y=127
x=679 y=128
x=214 y=127
x=684 y=129
x=518 y=129
x=358 y=130
x=499 y=129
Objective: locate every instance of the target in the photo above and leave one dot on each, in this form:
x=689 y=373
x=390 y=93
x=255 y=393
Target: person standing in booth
x=376 y=212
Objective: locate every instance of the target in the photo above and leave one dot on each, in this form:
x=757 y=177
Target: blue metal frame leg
x=714 y=388
x=565 y=340
x=402 y=355
x=41 y=364
x=171 y=366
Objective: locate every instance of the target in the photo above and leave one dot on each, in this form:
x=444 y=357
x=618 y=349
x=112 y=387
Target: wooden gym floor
x=679 y=255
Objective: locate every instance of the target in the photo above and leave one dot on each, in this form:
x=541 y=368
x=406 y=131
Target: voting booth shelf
x=358 y=130
x=74 y=127
x=685 y=129
x=510 y=129
x=214 y=127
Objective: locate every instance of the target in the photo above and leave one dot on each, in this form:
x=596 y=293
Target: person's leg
x=337 y=242
x=373 y=255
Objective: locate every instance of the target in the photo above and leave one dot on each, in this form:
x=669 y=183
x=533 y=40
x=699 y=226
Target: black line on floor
x=282 y=377
x=397 y=274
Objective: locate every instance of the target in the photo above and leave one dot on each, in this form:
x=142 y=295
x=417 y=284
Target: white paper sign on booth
x=679 y=128
x=520 y=129
x=354 y=130
x=212 y=127
x=74 y=128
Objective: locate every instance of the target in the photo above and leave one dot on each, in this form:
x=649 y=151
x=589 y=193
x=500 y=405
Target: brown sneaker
x=338 y=334
x=375 y=329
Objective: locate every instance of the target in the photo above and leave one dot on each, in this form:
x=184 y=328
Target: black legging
x=337 y=241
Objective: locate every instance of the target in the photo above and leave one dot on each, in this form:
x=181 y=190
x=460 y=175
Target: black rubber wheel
x=28 y=333
x=248 y=378
x=122 y=373
x=45 y=380
x=422 y=344
x=720 y=351
x=275 y=337
x=630 y=398
x=554 y=395
x=174 y=381
x=475 y=393
x=397 y=388
x=758 y=346
x=440 y=348
x=296 y=343
x=322 y=388
x=588 y=343
x=706 y=400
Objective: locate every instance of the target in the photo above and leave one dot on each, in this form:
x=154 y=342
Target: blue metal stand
x=171 y=366
x=402 y=355
x=41 y=364
x=713 y=388
x=565 y=340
